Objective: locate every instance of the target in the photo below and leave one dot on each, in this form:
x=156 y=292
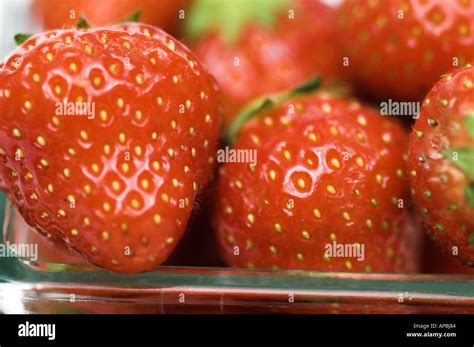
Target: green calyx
x=469 y=194
x=20 y=38
x=469 y=124
x=463 y=158
x=82 y=24
x=264 y=104
x=229 y=16
x=134 y=17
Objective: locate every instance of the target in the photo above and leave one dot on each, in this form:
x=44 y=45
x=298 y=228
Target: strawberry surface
x=441 y=163
x=117 y=184
x=329 y=170
x=400 y=48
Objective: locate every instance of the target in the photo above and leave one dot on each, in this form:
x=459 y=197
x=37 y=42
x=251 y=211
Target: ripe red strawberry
x=263 y=46
x=400 y=48
x=59 y=14
x=328 y=170
x=119 y=188
x=441 y=163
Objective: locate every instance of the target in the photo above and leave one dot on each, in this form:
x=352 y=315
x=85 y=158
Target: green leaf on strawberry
x=469 y=194
x=462 y=158
x=465 y=159
x=229 y=16
x=469 y=123
x=264 y=104
x=20 y=38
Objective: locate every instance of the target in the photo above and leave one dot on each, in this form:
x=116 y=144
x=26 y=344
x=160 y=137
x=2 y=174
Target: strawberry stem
x=258 y=106
x=469 y=123
x=463 y=158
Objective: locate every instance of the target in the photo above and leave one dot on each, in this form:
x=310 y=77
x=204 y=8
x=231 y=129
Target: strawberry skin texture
x=328 y=169
x=118 y=188
x=392 y=57
x=274 y=58
x=56 y=14
x=438 y=184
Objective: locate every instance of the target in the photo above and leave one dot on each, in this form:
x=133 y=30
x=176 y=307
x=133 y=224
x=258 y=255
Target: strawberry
x=329 y=171
x=58 y=14
x=441 y=163
x=263 y=46
x=399 y=48
x=118 y=185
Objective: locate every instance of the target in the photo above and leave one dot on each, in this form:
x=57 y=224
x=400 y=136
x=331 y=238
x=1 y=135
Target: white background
x=15 y=17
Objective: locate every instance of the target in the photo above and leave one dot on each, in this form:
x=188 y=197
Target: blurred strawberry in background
x=399 y=48
x=55 y=14
x=263 y=46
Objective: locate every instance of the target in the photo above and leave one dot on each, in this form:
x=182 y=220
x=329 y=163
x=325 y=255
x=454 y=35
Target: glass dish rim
x=429 y=287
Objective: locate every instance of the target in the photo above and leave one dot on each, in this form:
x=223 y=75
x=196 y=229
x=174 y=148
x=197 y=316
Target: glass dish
x=63 y=283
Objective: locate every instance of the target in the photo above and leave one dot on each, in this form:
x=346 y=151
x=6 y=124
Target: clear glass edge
x=16 y=271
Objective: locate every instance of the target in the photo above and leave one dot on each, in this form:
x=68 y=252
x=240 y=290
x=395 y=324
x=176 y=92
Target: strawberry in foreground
x=400 y=48
x=329 y=170
x=256 y=47
x=441 y=163
x=115 y=172
x=60 y=14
